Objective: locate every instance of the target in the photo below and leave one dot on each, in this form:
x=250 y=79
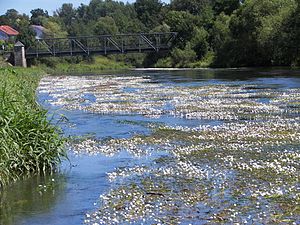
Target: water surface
x=158 y=136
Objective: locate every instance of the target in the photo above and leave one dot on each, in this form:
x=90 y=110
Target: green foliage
x=183 y=57
x=26 y=36
x=253 y=30
x=29 y=144
x=54 y=29
x=199 y=42
x=38 y=16
x=148 y=12
x=194 y=7
x=67 y=14
x=6 y=46
x=73 y=65
x=130 y=59
x=205 y=62
x=164 y=63
x=237 y=33
x=106 y=25
x=220 y=32
x=183 y=23
x=287 y=42
x=161 y=28
x=225 y=6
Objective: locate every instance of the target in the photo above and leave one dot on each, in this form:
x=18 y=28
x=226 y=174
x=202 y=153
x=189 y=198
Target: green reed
x=28 y=142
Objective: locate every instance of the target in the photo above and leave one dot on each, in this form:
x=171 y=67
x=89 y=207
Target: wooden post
x=19 y=54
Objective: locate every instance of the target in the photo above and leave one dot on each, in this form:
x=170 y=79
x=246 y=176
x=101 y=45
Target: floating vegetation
x=242 y=169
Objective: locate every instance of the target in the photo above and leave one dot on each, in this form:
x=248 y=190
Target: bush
x=183 y=57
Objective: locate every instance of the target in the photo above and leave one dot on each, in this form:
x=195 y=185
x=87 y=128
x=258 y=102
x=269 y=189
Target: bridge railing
x=103 y=44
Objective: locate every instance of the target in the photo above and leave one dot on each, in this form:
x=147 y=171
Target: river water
x=168 y=147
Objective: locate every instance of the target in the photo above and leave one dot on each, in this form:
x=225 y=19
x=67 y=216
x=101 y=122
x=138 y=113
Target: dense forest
x=218 y=33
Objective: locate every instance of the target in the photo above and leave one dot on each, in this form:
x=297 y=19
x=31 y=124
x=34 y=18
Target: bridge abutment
x=19 y=54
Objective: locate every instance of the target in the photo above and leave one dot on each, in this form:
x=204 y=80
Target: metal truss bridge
x=101 y=45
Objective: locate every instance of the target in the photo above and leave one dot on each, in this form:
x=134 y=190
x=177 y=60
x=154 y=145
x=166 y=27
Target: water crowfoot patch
x=242 y=167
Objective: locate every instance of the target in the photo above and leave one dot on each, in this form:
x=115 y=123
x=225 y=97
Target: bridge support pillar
x=19 y=54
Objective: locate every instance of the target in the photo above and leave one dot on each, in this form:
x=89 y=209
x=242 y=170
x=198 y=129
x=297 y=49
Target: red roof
x=9 y=30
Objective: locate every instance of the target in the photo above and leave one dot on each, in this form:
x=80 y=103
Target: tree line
x=219 y=33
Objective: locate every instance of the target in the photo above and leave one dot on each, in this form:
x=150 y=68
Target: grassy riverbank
x=69 y=66
x=28 y=143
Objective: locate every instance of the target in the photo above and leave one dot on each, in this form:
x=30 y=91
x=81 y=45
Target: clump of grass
x=28 y=142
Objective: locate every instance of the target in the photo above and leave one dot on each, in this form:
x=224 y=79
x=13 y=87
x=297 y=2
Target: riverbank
x=97 y=65
x=29 y=144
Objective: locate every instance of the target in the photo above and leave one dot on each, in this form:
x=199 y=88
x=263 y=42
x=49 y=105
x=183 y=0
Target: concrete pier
x=19 y=54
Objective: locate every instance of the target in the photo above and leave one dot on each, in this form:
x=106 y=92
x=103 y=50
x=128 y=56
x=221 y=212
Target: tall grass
x=28 y=142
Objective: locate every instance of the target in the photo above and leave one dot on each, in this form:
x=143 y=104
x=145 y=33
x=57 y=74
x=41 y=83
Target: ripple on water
x=204 y=151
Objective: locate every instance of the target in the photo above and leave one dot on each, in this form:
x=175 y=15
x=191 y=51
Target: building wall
x=3 y=36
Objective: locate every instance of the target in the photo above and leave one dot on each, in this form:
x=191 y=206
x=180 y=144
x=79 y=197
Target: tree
x=106 y=25
x=225 y=6
x=38 y=15
x=287 y=50
x=194 y=7
x=220 y=32
x=26 y=35
x=127 y=21
x=149 y=12
x=253 y=27
x=161 y=28
x=12 y=14
x=183 y=23
x=66 y=13
x=54 y=29
x=199 y=42
x=183 y=57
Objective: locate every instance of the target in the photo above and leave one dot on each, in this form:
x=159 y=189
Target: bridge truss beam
x=101 y=45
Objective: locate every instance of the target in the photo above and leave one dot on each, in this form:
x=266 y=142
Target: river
x=168 y=147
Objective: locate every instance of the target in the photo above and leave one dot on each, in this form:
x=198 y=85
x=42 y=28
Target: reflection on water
x=35 y=195
x=147 y=126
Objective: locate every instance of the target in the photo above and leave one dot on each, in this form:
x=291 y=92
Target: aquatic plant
x=28 y=143
x=243 y=167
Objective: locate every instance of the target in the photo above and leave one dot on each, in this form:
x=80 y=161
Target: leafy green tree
x=287 y=50
x=183 y=57
x=127 y=21
x=220 y=32
x=54 y=29
x=99 y=8
x=199 y=42
x=183 y=23
x=38 y=15
x=26 y=35
x=149 y=12
x=12 y=15
x=67 y=14
x=161 y=28
x=194 y=7
x=253 y=27
x=106 y=25
x=225 y=6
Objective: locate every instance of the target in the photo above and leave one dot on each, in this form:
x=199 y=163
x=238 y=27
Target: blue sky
x=24 y=6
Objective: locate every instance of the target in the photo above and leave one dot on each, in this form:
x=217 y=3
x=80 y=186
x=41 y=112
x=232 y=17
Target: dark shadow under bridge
x=101 y=45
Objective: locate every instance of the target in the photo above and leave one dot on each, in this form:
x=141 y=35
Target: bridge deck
x=101 y=45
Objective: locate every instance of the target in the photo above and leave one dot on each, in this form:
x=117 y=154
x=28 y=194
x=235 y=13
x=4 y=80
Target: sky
x=25 y=6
